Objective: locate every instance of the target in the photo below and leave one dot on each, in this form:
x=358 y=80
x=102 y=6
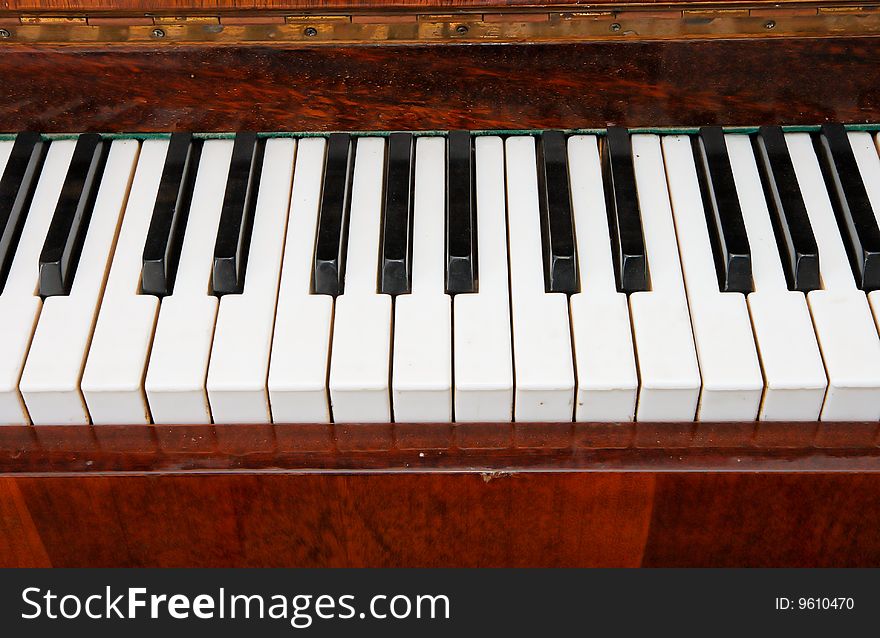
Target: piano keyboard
x=435 y=278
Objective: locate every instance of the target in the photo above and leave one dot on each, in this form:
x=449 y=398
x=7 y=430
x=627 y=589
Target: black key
x=727 y=230
x=461 y=209
x=791 y=224
x=332 y=242
x=17 y=186
x=67 y=231
x=624 y=216
x=173 y=199
x=853 y=210
x=395 y=272
x=237 y=217
x=557 y=227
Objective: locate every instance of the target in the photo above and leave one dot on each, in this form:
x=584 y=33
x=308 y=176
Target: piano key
x=22 y=161
x=239 y=362
x=541 y=332
x=20 y=304
x=50 y=382
x=729 y=242
x=61 y=251
x=852 y=207
x=483 y=361
x=300 y=357
x=178 y=367
x=331 y=244
x=868 y=162
x=422 y=355
x=557 y=232
x=161 y=251
x=790 y=359
x=797 y=245
x=112 y=381
x=664 y=342
x=361 y=352
x=237 y=218
x=607 y=379
x=461 y=225
x=624 y=215
x=842 y=318
x=396 y=266
x=732 y=384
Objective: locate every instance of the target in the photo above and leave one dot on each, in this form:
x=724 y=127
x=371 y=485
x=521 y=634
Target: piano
x=478 y=284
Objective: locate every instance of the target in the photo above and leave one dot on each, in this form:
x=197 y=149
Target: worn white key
x=607 y=380
x=301 y=344
x=841 y=314
x=541 y=332
x=794 y=375
x=483 y=358
x=50 y=383
x=20 y=303
x=670 y=377
x=175 y=381
x=112 y=382
x=421 y=381
x=869 y=166
x=732 y=382
x=361 y=355
x=237 y=374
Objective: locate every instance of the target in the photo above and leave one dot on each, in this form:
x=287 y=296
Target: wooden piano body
x=569 y=494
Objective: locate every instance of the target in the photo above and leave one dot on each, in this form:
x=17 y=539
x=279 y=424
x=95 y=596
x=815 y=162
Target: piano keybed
x=428 y=278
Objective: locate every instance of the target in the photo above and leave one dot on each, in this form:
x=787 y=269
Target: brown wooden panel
x=375 y=520
x=21 y=544
x=427 y=447
x=138 y=6
x=391 y=520
x=672 y=83
x=770 y=520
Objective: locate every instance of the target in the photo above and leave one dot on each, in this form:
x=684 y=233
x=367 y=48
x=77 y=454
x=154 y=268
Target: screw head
x=462 y=29
x=311 y=32
x=770 y=24
x=4 y=33
x=615 y=26
x=158 y=33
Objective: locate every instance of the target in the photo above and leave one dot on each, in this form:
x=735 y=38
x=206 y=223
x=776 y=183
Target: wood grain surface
x=393 y=520
x=145 y=6
x=513 y=86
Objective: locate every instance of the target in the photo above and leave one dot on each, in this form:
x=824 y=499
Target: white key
x=20 y=303
x=607 y=380
x=361 y=354
x=178 y=365
x=869 y=166
x=541 y=332
x=5 y=152
x=841 y=314
x=670 y=377
x=732 y=381
x=794 y=375
x=243 y=336
x=483 y=358
x=422 y=367
x=301 y=344
x=112 y=382
x=50 y=383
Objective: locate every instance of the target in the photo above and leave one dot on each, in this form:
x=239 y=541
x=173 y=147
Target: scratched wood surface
x=143 y=6
x=392 y=520
x=637 y=84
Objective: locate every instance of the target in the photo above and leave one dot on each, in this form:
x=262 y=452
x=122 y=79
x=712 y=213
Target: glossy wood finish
x=391 y=520
x=211 y=6
x=402 y=447
x=636 y=84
